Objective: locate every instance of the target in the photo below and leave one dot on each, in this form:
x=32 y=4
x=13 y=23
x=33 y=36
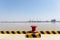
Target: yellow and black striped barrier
x=25 y=32
x=49 y=32
x=33 y=35
x=29 y=34
x=15 y=32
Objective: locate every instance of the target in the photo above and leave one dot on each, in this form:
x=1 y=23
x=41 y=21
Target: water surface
x=26 y=26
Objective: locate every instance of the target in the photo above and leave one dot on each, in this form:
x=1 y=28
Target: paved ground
x=22 y=37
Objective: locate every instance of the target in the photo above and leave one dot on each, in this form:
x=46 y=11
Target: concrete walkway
x=22 y=37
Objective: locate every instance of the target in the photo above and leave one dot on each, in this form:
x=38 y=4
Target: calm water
x=26 y=26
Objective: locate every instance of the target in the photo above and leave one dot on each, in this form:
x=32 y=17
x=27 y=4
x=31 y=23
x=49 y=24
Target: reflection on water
x=26 y=26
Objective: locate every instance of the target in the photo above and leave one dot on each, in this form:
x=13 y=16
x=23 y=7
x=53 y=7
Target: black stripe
x=40 y=35
x=53 y=32
x=27 y=36
x=24 y=32
x=34 y=36
x=29 y=31
x=58 y=32
x=2 y=32
x=41 y=32
x=12 y=32
x=18 y=32
x=47 y=32
x=7 y=32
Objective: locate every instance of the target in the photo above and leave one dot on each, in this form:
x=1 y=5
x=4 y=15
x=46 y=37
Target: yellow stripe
x=50 y=31
x=16 y=32
x=5 y=32
x=56 y=32
x=0 y=32
x=37 y=35
x=21 y=32
x=44 y=32
x=29 y=35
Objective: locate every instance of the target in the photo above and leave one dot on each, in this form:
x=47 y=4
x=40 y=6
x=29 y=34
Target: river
x=26 y=26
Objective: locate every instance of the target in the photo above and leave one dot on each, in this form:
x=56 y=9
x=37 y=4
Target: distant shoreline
x=26 y=21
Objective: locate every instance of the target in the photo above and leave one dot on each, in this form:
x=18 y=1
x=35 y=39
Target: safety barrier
x=13 y=32
x=25 y=32
x=33 y=35
x=49 y=32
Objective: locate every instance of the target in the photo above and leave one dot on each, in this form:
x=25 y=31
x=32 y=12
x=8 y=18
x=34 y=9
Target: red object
x=33 y=28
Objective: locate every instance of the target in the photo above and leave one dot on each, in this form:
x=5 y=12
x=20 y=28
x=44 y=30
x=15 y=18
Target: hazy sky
x=18 y=10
